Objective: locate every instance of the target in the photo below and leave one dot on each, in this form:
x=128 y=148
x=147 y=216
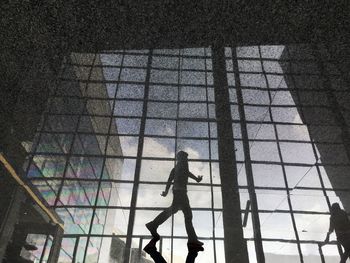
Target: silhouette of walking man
x=340 y=223
x=179 y=174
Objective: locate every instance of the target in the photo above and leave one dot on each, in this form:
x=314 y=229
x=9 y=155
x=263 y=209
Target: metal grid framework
x=162 y=101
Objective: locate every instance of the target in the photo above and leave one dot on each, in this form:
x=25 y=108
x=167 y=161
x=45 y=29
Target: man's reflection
x=340 y=223
x=151 y=249
x=179 y=174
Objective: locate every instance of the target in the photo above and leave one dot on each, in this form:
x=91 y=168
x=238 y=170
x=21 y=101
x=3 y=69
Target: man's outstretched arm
x=168 y=184
x=192 y=176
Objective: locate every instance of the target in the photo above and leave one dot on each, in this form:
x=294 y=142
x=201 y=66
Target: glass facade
x=115 y=121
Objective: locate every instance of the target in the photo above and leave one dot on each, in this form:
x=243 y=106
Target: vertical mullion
x=138 y=162
x=44 y=249
x=140 y=248
x=210 y=164
x=321 y=253
x=179 y=75
x=281 y=159
x=248 y=164
x=77 y=240
x=103 y=162
x=161 y=245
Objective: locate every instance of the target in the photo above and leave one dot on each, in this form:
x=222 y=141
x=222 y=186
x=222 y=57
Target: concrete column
x=235 y=245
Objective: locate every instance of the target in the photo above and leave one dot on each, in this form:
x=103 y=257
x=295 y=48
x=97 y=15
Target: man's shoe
x=195 y=243
x=151 y=228
x=194 y=248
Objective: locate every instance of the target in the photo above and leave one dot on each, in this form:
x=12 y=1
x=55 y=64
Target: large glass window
x=293 y=169
x=115 y=121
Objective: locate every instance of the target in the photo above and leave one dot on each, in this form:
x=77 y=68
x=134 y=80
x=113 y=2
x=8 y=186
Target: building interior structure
x=97 y=98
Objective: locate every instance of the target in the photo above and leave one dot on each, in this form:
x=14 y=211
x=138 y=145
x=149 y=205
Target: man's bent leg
x=345 y=243
x=345 y=256
x=163 y=216
x=160 y=219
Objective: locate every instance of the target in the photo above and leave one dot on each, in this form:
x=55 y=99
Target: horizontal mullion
x=291 y=141
x=242 y=187
x=208 y=209
x=190 y=160
x=315 y=242
x=192 y=119
x=285 y=105
x=115 y=156
x=201 y=102
x=140 y=67
x=203 y=209
x=135 y=82
x=156 y=54
x=289 y=89
x=288 y=123
x=204 y=138
x=133 y=99
x=135 y=236
x=147 y=237
x=301 y=164
x=194 y=101
x=279 y=59
x=132 y=117
x=262 y=72
x=131 y=135
x=126 y=52
x=136 y=208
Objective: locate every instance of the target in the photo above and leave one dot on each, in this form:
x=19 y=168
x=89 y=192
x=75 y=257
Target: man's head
x=181 y=156
x=335 y=208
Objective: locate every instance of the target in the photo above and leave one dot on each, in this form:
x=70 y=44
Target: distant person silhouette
x=179 y=174
x=151 y=249
x=340 y=223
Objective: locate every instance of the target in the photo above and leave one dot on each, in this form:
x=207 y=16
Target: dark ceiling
x=98 y=25
x=35 y=35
